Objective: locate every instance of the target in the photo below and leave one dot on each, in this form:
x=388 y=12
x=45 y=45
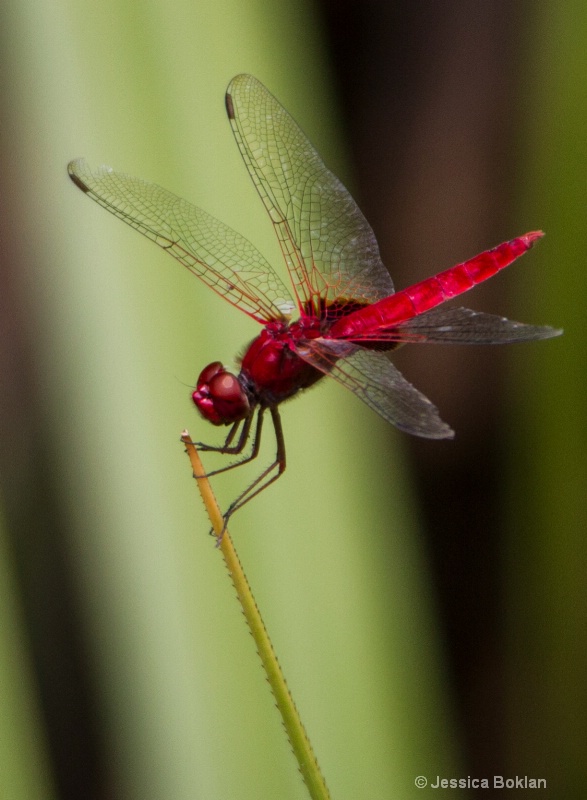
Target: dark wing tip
x=73 y=169
x=229 y=105
x=237 y=83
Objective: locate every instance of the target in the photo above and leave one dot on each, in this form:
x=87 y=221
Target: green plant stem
x=292 y=723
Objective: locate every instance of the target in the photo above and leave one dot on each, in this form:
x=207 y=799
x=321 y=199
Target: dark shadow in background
x=429 y=92
x=37 y=524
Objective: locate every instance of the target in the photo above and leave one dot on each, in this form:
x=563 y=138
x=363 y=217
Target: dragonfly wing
x=329 y=247
x=222 y=258
x=377 y=382
x=465 y=326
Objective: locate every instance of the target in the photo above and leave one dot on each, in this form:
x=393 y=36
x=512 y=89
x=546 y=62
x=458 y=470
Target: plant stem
x=292 y=723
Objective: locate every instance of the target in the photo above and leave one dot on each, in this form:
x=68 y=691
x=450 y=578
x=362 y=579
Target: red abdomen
x=431 y=292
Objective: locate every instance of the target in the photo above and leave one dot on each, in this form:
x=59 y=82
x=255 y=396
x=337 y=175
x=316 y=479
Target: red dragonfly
x=349 y=317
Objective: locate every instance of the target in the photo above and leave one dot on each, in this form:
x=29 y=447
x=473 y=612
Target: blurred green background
x=426 y=600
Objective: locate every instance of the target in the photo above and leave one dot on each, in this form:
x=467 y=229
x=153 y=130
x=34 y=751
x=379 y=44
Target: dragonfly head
x=220 y=397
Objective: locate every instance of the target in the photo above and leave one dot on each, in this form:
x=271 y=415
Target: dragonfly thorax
x=271 y=369
x=220 y=397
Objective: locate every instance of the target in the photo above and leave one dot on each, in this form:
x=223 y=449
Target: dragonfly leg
x=228 y=448
x=240 y=446
x=265 y=478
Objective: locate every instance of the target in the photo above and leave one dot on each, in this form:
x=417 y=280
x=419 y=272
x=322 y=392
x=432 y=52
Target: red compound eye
x=209 y=372
x=219 y=396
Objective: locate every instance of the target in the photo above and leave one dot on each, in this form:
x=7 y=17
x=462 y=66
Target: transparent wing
x=459 y=326
x=222 y=258
x=329 y=247
x=465 y=326
x=377 y=382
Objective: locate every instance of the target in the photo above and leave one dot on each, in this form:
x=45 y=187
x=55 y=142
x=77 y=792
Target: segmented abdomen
x=431 y=292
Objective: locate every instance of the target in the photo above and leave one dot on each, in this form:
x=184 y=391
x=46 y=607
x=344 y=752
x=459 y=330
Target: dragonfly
x=349 y=319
